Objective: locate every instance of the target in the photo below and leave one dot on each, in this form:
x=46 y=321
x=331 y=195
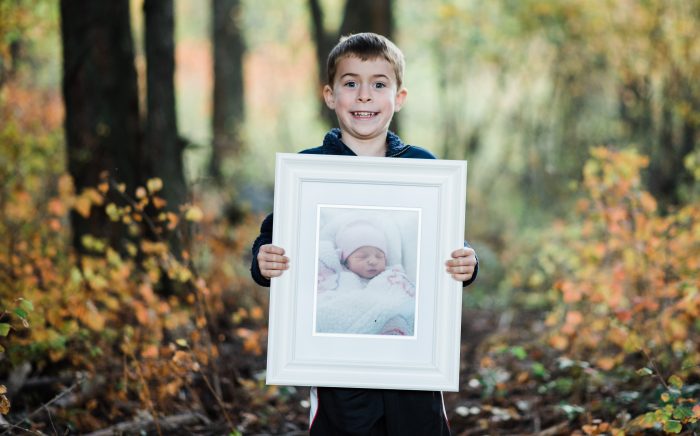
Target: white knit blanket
x=384 y=305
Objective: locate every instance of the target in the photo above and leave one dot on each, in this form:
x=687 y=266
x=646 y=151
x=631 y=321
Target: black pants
x=377 y=412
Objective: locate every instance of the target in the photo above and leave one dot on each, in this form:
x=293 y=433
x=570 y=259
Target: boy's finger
x=461 y=269
x=273 y=266
x=264 y=257
x=463 y=252
x=461 y=277
x=271 y=273
x=273 y=249
x=460 y=261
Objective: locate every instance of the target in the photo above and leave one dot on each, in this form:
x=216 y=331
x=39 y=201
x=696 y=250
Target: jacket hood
x=333 y=144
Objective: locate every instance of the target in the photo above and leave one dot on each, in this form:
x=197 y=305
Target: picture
x=366 y=301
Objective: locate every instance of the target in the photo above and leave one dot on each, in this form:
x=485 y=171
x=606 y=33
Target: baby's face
x=367 y=262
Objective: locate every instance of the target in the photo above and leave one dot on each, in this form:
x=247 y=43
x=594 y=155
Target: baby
x=366 y=297
x=362 y=248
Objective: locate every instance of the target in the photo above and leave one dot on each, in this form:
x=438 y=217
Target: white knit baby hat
x=356 y=234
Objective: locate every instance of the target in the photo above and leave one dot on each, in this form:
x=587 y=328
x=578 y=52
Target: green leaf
x=539 y=370
x=4 y=328
x=20 y=312
x=75 y=275
x=682 y=413
x=518 y=352
x=26 y=305
x=676 y=381
x=649 y=418
x=644 y=371
x=673 y=426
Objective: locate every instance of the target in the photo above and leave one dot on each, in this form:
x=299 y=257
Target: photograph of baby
x=366 y=272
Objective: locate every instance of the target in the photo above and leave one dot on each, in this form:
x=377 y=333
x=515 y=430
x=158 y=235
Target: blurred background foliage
x=579 y=120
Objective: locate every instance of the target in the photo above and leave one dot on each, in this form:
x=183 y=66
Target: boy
x=365 y=74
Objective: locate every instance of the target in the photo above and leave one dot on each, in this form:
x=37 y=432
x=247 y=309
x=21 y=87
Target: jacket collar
x=333 y=143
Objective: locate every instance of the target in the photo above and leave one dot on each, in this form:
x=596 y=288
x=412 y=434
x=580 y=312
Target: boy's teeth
x=364 y=114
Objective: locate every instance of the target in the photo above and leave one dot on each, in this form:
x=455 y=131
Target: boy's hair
x=366 y=46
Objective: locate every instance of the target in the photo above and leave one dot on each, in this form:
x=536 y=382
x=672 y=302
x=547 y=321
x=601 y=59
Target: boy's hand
x=461 y=266
x=272 y=261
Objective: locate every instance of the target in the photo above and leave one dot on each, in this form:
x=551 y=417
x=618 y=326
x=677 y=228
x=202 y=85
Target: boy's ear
x=400 y=99
x=329 y=97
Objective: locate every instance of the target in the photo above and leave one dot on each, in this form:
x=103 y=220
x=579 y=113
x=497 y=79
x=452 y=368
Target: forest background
x=137 y=143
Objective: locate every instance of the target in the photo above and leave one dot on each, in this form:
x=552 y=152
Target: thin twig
x=27 y=430
x=218 y=400
x=655 y=368
x=81 y=380
x=149 y=399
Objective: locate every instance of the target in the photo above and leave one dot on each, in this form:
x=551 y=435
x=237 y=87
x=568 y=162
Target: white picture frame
x=316 y=198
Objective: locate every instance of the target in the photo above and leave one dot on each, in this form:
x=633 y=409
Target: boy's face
x=364 y=97
x=367 y=262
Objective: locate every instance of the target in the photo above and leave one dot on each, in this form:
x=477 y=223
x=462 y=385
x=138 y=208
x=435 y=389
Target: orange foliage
x=625 y=280
x=108 y=315
x=629 y=276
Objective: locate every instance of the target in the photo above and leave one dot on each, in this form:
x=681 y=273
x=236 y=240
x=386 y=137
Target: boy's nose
x=363 y=95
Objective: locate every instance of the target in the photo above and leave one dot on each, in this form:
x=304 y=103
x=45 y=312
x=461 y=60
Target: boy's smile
x=364 y=97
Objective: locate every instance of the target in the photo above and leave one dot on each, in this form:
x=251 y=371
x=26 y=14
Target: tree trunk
x=228 y=96
x=359 y=16
x=368 y=16
x=101 y=100
x=164 y=146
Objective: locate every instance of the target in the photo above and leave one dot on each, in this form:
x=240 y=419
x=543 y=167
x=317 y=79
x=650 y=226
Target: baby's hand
x=461 y=266
x=272 y=261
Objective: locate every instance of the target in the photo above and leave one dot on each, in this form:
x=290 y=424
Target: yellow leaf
x=92 y=318
x=82 y=206
x=194 y=213
x=94 y=196
x=154 y=185
x=140 y=192
x=675 y=381
x=4 y=405
x=112 y=212
x=65 y=185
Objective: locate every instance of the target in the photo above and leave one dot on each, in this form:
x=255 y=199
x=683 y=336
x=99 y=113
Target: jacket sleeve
x=265 y=237
x=476 y=269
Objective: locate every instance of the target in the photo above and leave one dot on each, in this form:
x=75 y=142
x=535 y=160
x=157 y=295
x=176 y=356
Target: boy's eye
x=380 y=85
x=350 y=84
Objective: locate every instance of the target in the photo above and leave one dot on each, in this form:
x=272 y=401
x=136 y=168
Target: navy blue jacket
x=333 y=145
